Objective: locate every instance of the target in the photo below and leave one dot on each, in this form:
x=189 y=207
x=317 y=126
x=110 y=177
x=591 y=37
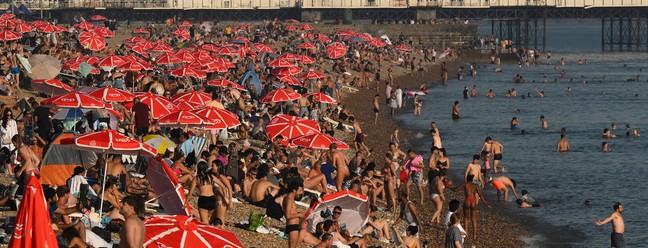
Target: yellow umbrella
x=160 y=142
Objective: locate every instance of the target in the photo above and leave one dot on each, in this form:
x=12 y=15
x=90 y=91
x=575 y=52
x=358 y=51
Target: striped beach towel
x=198 y=144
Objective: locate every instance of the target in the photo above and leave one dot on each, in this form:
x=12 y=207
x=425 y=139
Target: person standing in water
x=618 y=227
x=543 y=122
x=456 y=113
x=563 y=144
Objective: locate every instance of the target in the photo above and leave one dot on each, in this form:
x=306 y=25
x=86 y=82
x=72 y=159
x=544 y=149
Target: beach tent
x=255 y=81
x=24 y=10
x=59 y=161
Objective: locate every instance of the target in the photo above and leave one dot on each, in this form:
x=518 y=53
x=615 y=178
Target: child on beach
x=485 y=156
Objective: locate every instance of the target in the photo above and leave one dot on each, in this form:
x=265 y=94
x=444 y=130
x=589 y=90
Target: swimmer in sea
x=514 y=123
x=563 y=144
x=607 y=134
x=604 y=147
x=543 y=122
x=618 y=226
x=456 y=114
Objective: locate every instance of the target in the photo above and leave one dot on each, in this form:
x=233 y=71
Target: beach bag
x=6 y=140
x=255 y=221
x=403 y=176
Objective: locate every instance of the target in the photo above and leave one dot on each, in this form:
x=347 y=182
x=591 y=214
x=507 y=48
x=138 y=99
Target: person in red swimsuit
x=470 y=202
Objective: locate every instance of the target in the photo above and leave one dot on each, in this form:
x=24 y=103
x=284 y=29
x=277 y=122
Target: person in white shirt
x=453 y=206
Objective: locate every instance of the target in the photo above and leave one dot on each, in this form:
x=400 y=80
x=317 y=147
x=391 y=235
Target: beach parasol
x=161 y=47
x=287 y=71
x=46 y=28
x=346 y=32
x=307 y=46
x=209 y=66
x=209 y=47
x=291 y=21
x=6 y=16
x=280 y=95
x=290 y=28
x=355 y=210
x=159 y=142
x=290 y=127
x=263 y=48
x=311 y=74
x=97 y=18
x=135 y=66
x=403 y=48
x=186 y=106
x=223 y=61
x=51 y=87
x=73 y=100
x=183 y=118
x=24 y=28
x=186 y=57
x=87 y=26
x=184 y=231
x=104 y=31
x=227 y=50
x=44 y=67
x=377 y=43
x=291 y=81
x=194 y=97
x=109 y=142
x=336 y=50
x=32 y=213
x=8 y=35
x=221 y=118
x=140 y=50
x=110 y=94
x=92 y=41
x=306 y=27
x=181 y=32
x=187 y=71
x=168 y=191
x=323 y=98
x=288 y=56
x=318 y=141
x=280 y=62
x=185 y=24
x=110 y=62
x=305 y=59
x=158 y=105
x=222 y=82
x=140 y=31
x=167 y=58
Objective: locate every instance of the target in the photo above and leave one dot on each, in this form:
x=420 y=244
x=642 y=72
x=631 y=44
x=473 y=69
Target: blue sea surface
x=561 y=182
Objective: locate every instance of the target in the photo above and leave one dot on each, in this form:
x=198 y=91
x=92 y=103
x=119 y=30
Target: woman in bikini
x=443 y=163
x=207 y=201
x=28 y=159
x=438 y=197
x=223 y=192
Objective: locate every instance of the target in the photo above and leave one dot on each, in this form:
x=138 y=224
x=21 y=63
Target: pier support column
x=425 y=14
x=625 y=33
x=311 y=15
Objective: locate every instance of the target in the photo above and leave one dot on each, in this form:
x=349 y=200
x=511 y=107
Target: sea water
x=561 y=182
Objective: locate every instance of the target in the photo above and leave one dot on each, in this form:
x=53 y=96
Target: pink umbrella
x=159 y=105
x=336 y=50
x=290 y=127
x=355 y=210
x=51 y=87
x=195 y=97
x=281 y=95
x=221 y=118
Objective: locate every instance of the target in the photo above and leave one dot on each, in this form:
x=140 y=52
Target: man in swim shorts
x=293 y=217
x=618 y=227
x=502 y=183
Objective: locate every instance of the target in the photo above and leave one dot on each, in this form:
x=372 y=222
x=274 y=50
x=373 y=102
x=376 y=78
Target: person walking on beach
x=618 y=227
x=563 y=144
x=456 y=113
x=293 y=217
x=376 y=108
x=471 y=192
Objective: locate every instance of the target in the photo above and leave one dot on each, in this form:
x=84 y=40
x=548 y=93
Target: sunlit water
x=561 y=182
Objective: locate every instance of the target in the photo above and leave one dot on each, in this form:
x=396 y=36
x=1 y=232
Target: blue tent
x=21 y=10
x=24 y=10
x=255 y=81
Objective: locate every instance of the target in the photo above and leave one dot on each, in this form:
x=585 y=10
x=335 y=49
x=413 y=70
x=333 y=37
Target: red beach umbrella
x=185 y=106
x=403 y=48
x=212 y=67
x=291 y=21
x=85 y=26
x=291 y=81
x=313 y=75
x=92 y=41
x=280 y=62
x=140 y=50
x=185 y=24
x=32 y=213
x=323 y=98
x=220 y=117
x=51 y=87
x=290 y=127
x=7 y=35
x=377 y=43
x=288 y=56
x=97 y=18
x=161 y=47
x=181 y=32
x=306 y=27
x=195 y=97
x=73 y=100
x=336 y=50
x=186 y=57
x=109 y=141
x=110 y=94
x=318 y=141
x=280 y=95
x=307 y=45
x=287 y=71
x=201 y=55
x=290 y=28
x=227 y=50
x=184 y=231
x=263 y=48
x=305 y=59
x=104 y=31
x=187 y=71
x=160 y=106
x=46 y=28
x=141 y=31
x=61 y=29
x=225 y=62
x=183 y=118
x=110 y=62
x=168 y=189
x=135 y=66
x=24 y=28
x=210 y=47
x=222 y=82
x=6 y=16
x=167 y=58
x=346 y=32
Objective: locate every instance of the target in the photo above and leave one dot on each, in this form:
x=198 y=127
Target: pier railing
x=319 y=4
